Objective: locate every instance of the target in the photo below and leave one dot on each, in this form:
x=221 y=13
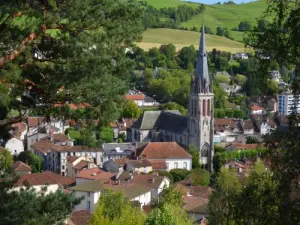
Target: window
x=203 y=107
x=208 y=107
x=88 y=204
x=88 y=194
x=185 y=165
x=62 y=167
x=176 y=165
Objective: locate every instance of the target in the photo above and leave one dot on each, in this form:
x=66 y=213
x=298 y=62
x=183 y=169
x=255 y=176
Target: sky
x=215 y=1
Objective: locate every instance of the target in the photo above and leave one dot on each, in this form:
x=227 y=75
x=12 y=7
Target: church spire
x=202 y=79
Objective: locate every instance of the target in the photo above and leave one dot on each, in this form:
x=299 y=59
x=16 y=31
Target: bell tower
x=200 y=111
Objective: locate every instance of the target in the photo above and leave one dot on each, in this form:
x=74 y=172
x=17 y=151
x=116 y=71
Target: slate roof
x=111 y=166
x=155 y=120
x=163 y=150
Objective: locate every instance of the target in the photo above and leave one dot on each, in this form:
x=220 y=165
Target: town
x=112 y=132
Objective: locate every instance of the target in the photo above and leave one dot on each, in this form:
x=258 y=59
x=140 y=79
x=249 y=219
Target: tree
x=106 y=134
x=169 y=196
x=79 y=54
x=174 y=106
x=195 y=154
x=34 y=161
x=244 y=26
x=252 y=140
x=179 y=174
x=187 y=57
x=240 y=79
x=113 y=209
x=29 y=207
x=200 y=177
x=168 y=215
x=131 y=110
x=6 y=160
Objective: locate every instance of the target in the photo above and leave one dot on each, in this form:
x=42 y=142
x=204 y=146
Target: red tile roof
x=45 y=178
x=35 y=121
x=80 y=165
x=135 y=97
x=95 y=174
x=20 y=166
x=60 y=137
x=163 y=150
x=80 y=217
x=73 y=106
x=21 y=127
x=158 y=164
x=45 y=146
x=71 y=159
x=257 y=108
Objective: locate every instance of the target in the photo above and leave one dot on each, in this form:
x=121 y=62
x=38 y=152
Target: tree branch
x=13 y=120
x=13 y=55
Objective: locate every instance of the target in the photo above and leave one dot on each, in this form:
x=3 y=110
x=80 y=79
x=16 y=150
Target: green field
x=220 y=15
x=181 y=38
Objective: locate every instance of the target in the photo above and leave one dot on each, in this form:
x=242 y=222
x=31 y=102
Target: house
x=91 y=192
x=272 y=104
x=195 y=199
x=38 y=181
x=111 y=166
x=135 y=186
x=228 y=129
x=80 y=217
x=121 y=127
x=15 y=146
x=172 y=153
x=248 y=127
x=33 y=123
x=19 y=130
x=137 y=98
x=141 y=99
x=61 y=139
x=115 y=151
x=263 y=124
x=141 y=166
x=55 y=156
x=241 y=55
x=20 y=168
x=287 y=102
x=239 y=146
x=256 y=109
x=91 y=174
x=75 y=164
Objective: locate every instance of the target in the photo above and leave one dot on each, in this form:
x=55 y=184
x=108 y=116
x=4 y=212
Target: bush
x=179 y=174
x=34 y=161
x=163 y=173
x=200 y=177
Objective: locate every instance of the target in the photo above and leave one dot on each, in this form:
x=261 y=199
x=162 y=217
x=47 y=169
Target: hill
x=223 y=15
x=181 y=38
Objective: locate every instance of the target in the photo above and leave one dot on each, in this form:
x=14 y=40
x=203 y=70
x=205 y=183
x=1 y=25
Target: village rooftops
x=163 y=150
x=80 y=217
x=158 y=164
x=240 y=146
x=20 y=167
x=95 y=174
x=44 y=178
x=60 y=138
x=129 y=189
x=135 y=97
x=35 y=121
x=46 y=146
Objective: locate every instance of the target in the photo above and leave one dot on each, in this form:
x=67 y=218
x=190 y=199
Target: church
x=196 y=128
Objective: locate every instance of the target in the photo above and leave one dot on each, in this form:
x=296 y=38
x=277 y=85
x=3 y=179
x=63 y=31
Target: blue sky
x=215 y=1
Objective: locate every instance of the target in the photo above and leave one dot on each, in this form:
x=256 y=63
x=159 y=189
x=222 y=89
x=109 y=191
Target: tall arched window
x=208 y=107
x=204 y=107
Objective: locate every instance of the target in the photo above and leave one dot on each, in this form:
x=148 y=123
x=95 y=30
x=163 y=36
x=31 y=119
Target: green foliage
x=228 y=182
x=85 y=54
x=174 y=106
x=252 y=140
x=222 y=79
x=29 y=207
x=169 y=196
x=164 y=173
x=131 y=110
x=195 y=154
x=121 y=137
x=106 y=134
x=244 y=26
x=220 y=97
x=229 y=113
x=221 y=157
x=168 y=214
x=6 y=160
x=200 y=177
x=113 y=209
x=219 y=149
x=34 y=161
x=240 y=79
x=179 y=174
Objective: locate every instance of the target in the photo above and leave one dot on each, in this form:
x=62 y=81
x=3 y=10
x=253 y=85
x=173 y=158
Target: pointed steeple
x=202 y=80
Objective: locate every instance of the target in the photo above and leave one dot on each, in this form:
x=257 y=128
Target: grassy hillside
x=228 y=16
x=219 y=15
x=180 y=38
